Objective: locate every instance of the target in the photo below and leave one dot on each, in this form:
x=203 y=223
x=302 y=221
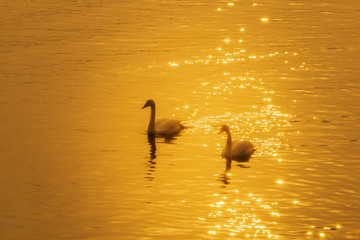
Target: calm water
x=75 y=159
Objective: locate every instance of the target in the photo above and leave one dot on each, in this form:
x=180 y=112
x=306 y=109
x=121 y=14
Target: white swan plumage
x=236 y=150
x=162 y=127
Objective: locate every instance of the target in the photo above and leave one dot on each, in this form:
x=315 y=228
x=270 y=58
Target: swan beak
x=144 y=106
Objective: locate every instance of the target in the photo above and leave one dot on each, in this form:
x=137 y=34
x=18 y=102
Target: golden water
x=75 y=159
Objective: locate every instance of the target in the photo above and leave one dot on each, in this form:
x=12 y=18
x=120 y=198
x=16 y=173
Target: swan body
x=162 y=127
x=236 y=150
x=167 y=126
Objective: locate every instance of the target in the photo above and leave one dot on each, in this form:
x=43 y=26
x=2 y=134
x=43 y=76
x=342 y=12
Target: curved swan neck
x=151 y=128
x=228 y=141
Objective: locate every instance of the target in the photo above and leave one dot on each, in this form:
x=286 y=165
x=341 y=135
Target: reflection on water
x=151 y=161
x=151 y=140
x=225 y=176
x=77 y=165
x=247 y=217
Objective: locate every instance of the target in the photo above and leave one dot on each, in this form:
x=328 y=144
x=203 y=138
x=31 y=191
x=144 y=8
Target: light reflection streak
x=319 y=231
x=249 y=216
x=247 y=124
x=239 y=55
x=240 y=217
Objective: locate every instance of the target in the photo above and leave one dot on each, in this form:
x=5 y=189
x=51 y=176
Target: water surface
x=76 y=162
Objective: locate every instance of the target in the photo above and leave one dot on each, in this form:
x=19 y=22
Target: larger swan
x=237 y=150
x=162 y=127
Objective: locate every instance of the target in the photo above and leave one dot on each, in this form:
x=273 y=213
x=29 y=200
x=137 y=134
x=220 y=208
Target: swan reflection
x=225 y=176
x=151 y=162
x=151 y=140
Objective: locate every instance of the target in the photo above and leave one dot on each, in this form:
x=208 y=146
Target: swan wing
x=167 y=126
x=241 y=149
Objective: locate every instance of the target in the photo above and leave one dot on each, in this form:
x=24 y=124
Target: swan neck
x=151 y=128
x=228 y=142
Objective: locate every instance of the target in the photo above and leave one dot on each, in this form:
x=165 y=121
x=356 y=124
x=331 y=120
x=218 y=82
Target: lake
x=76 y=162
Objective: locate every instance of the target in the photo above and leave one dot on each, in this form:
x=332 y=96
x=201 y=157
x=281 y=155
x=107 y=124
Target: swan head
x=224 y=128
x=149 y=103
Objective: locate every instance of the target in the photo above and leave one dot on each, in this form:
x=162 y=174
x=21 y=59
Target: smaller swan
x=239 y=151
x=162 y=127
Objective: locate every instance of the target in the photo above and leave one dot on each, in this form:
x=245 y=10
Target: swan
x=162 y=127
x=240 y=151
